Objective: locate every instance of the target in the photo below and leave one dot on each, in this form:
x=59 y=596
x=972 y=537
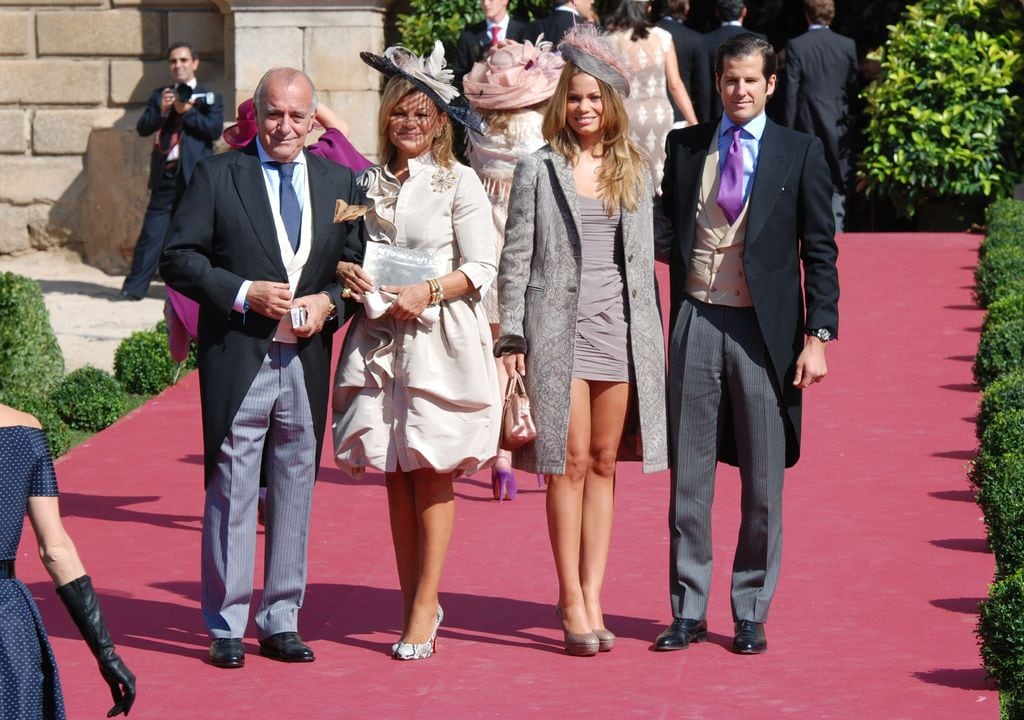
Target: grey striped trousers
x=719 y=372
x=275 y=413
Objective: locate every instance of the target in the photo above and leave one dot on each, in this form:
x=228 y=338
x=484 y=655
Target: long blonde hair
x=623 y=164
x=394 y=92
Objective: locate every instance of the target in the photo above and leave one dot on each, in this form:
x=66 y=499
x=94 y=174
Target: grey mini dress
x=602 y=323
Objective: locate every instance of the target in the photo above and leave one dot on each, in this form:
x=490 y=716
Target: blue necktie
x=291 y=213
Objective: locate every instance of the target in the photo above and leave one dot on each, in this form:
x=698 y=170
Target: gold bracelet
x=436 y=291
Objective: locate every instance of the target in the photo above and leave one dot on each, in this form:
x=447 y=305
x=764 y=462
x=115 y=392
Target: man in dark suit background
x=185 y=133
x=819 y=90
x=557 y=23
x=745 y=212
x=478 y=38
x=255 y=243
x=706 y=101
x=687 y=44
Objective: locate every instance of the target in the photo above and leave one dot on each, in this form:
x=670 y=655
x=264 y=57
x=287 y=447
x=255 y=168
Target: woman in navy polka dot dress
x=29 y=686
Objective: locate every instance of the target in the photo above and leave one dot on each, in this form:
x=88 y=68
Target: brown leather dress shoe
x=227 y=653
x=750 y=638
x=286 y=647
x=681 y=633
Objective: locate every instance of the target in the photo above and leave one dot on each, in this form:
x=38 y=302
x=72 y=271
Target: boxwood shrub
x=1008 y=307
x=1004 y=393
x=1004 y=434
x=30 y=358
x=1000 y=482
x=1000 y=350
x=90 y=399
x=143 y=363
x=1005 y=225
x=999 y=273
x=58 y=438
x=1001 y=632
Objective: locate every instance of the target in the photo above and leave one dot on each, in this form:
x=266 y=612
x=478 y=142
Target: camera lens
x=183 y=92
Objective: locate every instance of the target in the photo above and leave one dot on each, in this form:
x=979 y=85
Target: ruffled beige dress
x=411 y=395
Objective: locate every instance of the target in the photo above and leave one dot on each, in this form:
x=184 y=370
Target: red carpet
x=884 y=559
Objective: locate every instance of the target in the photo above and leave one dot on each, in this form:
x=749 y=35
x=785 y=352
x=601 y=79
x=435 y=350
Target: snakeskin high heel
x=503 y=483
x=421 y=651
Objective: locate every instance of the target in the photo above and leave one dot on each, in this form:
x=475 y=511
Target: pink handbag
x=517 y=426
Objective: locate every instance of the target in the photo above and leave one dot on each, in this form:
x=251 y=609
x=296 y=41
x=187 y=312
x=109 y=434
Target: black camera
x=183 y=93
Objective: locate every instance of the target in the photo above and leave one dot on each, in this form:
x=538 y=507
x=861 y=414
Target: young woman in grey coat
x=580 y=321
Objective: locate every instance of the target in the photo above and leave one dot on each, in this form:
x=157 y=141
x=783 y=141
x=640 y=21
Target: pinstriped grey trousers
x=275 y=413
x=719 y=367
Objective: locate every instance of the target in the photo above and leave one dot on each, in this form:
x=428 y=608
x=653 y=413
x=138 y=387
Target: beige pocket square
x=343 y=212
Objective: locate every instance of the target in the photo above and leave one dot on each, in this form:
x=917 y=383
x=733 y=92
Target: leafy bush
x=56 y=430
x=1000 y=350
x=943 y=119
x=89 y=399
x=999 y=480
x=1003 y=394
x=143 y=364
x=1005 y=220
x=999 y=274
x=1008 y=307
x=1004 y=434
x=30 y=358
x=1001 y=632
x=444 y=20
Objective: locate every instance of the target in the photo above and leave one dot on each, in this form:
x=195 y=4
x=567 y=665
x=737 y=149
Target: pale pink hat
x=515 y=76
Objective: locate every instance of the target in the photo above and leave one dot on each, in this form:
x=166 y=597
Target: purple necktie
x=730 y=186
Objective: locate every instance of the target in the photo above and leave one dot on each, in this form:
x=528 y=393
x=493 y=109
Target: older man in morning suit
x=255 y=243
x=746 y=209
x=706 y=102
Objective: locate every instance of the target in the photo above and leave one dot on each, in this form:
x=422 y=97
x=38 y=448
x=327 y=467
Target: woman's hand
x=353 y=280
x=410 y=300
x=514 y=363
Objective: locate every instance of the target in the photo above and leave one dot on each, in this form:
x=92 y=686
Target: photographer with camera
x=186 y=120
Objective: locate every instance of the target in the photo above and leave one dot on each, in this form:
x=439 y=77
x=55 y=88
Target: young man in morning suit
x=185 y=132
x=477 y=39
x=254 y=237
x=746 y=208
x=819 y=93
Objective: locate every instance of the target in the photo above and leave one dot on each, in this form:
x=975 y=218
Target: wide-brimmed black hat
x=428 y=75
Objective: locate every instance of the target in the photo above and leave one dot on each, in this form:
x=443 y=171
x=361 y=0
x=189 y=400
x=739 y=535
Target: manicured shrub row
x=87 y=400
x=998 y=472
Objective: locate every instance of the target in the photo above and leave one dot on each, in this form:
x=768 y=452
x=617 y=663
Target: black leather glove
x=84 y=608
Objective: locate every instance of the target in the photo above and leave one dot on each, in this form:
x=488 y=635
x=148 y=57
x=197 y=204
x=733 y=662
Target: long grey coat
x=538 y=282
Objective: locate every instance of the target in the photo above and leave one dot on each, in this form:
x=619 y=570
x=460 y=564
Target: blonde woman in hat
x=416 y=390
x=651 y=55
x=509 y=90
x=579 y=316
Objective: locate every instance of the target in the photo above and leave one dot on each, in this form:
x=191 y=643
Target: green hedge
x=999 y=274
x=444 y=20
x=143 y=363
x=90 y=399
x=30 y=358
x=1005 y=219
x=1000 y=351
x=1009 y=307
x=1000 y=481
x=1001 y=632
x=1004 y=434
x=58 y=438
x=1003 y=394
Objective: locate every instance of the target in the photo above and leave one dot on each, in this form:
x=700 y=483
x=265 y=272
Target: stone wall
x=77 y=73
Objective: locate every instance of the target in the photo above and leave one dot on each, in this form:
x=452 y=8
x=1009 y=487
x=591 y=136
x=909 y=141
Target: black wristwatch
x=822 y=334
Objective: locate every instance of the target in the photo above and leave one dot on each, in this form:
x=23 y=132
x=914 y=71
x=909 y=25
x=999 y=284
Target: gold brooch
x=442 y=180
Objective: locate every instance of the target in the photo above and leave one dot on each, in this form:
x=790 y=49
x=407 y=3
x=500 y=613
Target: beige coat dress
x=410 y=395
x=538 y=283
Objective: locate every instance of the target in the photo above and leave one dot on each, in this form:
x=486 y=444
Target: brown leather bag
x=517 y=426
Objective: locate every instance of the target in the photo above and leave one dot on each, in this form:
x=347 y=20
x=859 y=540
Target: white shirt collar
x=737 y=23
x=503 y=25
x=567 y=8
x=265 y=157
x=816 y=26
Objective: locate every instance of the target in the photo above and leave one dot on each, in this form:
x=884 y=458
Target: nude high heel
x=578 y=644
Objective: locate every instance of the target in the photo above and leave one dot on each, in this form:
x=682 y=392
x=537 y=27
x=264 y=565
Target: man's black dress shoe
x=125 y=297
x=227 y=653
x=749 y=638
x=681 y=633
x=287 y=647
